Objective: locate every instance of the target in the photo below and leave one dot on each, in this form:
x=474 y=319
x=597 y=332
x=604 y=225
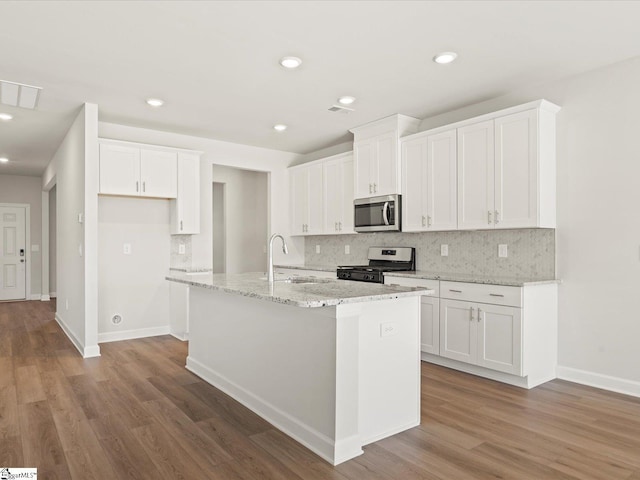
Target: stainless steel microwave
x=377 y=214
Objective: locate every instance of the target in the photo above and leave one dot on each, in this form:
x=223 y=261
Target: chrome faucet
x=285 y=250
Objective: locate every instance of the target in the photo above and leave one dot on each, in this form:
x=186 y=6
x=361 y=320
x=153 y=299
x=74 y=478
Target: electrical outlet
x=347 y=250
x=80 y=218
x=444 y=250
x=181 y=249
x=317 y=248
x=126 y=249
x=388 y=329
x=502 y=251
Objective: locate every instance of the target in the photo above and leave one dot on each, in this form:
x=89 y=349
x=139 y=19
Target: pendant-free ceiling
x=18 y=94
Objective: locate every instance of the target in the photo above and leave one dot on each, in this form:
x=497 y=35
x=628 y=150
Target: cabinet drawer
x=482 y=293
x=414 y=282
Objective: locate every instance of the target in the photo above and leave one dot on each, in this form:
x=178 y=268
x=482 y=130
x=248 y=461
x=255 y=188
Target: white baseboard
x=598 y=380
x=86 y=352
x=132 y=334
x=45 y=298
x=35 y=296
x=304 y=434
x=53 y=295
x=183 y=336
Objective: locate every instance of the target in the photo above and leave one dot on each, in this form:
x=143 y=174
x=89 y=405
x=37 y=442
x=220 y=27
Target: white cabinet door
x=119 y=170
x=185 y=211
x=316 y=200
x=299 y=179
x=441 y=178
x=516 y=170
x=430 y=324
x=158 y=174
x=385 y=166
x=476 y=176
x=458 y=331
x=364 y=153
x=414 y=172
x=500 y=338
x=338 y=195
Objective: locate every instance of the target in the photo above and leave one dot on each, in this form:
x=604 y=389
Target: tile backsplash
x=531 y=252
x=179 y=260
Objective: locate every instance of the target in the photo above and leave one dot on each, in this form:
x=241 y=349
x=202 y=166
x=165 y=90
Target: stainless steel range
x=381 y=259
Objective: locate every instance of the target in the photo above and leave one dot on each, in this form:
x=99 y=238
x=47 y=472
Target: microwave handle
x=385 y=208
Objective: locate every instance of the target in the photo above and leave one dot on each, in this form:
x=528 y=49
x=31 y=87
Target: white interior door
x=13 y=253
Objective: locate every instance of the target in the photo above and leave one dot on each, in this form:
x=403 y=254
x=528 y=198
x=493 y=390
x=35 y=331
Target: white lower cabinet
x=500 y=332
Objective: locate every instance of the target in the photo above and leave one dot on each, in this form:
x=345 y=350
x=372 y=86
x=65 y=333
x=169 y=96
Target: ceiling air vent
x=18 y=94
x=340 y=109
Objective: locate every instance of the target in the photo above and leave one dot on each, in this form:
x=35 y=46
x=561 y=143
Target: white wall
x=233 y=155
x=598 y=232
x=73 y=170
x=219 y=228
x=245 y=207
x=133 y=285
x=23 y=189
x=52 y=240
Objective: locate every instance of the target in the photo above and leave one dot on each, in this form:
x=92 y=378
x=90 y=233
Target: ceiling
x=216 y=63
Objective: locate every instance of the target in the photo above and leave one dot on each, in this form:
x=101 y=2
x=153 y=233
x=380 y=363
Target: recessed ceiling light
x=445 y=57
x=6 y=116
x=347 y=100
x=280 y=127
x=155 y=102
x=4 y=159
x=290 y=62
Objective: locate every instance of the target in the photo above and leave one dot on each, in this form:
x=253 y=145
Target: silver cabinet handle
x=471 y=309
x=428 y=220
x=424 y=221
x=497 y=216
x=455 y=291
x=335 y=226
x=144 y=186
x=370 y=188
x=489 y=217
x=180 y=225
x=479 y=313
x=375 y=188
x=340 y=226
x=137 y=186
x=496 y=295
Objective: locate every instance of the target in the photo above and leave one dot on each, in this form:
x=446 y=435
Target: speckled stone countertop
x=322 y=293
x=191 y=269
x=459 y=277
x=451 y=277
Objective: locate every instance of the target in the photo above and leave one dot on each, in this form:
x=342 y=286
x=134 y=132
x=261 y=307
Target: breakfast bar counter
x=334 y=364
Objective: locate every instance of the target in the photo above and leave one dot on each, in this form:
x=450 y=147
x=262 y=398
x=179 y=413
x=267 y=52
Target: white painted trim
x=76 y=343
x=27 y=241
x=307 y=436
x=182 y=336
x=44 y=245
x=598 y=380
x=53 y=295
x=92 y=351
x=45 y=298
x=522 y=382
x=131 y=334
x=35 y=296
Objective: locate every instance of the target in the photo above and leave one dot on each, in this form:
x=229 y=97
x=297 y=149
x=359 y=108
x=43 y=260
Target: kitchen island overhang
x=335 y=377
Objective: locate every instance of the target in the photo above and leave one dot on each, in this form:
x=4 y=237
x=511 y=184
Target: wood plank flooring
x=136 y=413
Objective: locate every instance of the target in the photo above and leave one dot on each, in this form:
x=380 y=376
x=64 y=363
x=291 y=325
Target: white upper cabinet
x=307 y=209
x=338 y=194
x=185 y=211
x=475 y=176
x=130 y=169
x=506 y=169
x=377 y=157
x=429 y=182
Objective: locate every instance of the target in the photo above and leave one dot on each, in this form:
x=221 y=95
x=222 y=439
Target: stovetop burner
x=381 y=259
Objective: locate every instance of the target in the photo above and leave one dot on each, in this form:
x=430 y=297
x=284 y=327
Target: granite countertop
x=317 y=268
x=322 y=293
x=191 y=269
x=471 y=278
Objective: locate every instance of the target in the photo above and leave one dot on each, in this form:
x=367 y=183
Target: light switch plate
x=347 y=250
x=502 y=250
x=79 y=218
x=182 y=249
x=388 y=329
x=126 y=249
x=317 y=248
x=444 y=250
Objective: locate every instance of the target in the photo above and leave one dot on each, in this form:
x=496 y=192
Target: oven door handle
x=385 y=217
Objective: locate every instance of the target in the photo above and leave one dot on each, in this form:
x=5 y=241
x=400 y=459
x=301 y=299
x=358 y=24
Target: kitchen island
x=334 y=364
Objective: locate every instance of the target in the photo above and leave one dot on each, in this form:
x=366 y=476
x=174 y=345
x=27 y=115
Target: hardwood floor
x=136 y=413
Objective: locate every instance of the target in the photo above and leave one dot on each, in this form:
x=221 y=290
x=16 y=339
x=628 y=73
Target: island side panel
x=278 y=360
x=389 y=367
